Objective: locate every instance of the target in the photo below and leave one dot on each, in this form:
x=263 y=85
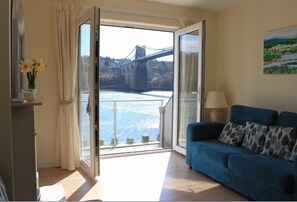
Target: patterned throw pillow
x=254 y=139
x=232 y=134
x=279 y=142
x=294 y=152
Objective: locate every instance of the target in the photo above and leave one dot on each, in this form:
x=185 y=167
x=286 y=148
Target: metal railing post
x=114 y=123
x=161 y=136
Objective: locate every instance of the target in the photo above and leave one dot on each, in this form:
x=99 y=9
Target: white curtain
x=65 y=26
x=185 y=22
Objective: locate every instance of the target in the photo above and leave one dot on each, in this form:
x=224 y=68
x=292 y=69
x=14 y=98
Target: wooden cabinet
x=25 y=181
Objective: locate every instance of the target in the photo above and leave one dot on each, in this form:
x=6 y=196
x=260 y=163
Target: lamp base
x=215 y=115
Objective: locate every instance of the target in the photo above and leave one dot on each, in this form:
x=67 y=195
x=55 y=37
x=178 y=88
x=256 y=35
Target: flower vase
x=29 y=94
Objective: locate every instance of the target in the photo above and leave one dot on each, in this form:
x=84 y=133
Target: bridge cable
x=161 y=49
x=130 y=53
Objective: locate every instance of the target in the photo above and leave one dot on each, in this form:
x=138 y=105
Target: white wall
x=38 y=42
x=240 y=54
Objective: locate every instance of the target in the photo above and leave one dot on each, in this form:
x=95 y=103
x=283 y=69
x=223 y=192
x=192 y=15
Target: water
x=135 y=116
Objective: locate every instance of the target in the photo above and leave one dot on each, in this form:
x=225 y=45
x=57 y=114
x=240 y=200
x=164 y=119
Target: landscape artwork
x=280 y=51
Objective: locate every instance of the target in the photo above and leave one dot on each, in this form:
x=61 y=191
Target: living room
x=233 y=63
x=238 y=73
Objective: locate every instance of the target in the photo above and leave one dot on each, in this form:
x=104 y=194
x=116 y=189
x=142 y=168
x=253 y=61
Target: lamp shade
x=215 y=100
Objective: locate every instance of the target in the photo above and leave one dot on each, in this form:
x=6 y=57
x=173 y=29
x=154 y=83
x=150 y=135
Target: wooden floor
x=151 y=177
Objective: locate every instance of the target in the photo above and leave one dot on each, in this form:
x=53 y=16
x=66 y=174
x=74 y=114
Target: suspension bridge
x=135 y=71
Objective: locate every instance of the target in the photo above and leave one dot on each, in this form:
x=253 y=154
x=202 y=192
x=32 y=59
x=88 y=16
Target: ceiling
x=207 y=5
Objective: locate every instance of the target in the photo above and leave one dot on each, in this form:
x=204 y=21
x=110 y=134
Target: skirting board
x=46 y=164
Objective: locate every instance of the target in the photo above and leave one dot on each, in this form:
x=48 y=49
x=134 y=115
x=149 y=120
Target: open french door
x=188 y=82
x=88 y=89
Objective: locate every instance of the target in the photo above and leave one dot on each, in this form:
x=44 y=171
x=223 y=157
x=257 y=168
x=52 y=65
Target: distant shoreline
x=133 y=91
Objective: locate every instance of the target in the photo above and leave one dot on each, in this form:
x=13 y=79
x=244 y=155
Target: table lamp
x=215 y=100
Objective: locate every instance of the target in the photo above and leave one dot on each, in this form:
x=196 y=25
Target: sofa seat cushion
x=270 y=171
x=215 y=151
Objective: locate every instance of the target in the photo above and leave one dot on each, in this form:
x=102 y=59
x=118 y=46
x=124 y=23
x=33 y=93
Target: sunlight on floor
x=162 y=176
x=174 y=183
x=79 y=182
x=136 y=178
x=121 y=181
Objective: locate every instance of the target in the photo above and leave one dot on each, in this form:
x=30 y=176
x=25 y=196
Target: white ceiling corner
x=207 y=5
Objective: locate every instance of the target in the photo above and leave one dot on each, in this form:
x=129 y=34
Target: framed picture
x=280 y=51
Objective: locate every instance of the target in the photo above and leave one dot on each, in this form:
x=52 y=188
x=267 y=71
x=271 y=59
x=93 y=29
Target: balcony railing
x=122 y=121
x=116 y=107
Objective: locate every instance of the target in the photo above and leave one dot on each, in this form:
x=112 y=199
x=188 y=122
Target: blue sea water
x=136 y=114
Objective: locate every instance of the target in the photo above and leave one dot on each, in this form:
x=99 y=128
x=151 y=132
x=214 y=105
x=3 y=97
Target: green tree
x=270 y=56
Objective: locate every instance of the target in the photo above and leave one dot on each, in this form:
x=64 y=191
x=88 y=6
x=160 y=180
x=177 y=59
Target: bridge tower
x=139 y=52
x=136 y=77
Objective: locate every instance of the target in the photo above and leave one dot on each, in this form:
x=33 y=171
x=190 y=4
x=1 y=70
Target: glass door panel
x=84 y=92
x=88 y=99
x=188 y=81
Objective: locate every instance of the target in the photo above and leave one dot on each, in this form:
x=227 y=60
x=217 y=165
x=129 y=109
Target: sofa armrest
x=204 y=131
x=201 y=131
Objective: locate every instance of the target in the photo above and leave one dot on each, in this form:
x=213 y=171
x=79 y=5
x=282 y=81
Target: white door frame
x=93 y=17
x=200 y=94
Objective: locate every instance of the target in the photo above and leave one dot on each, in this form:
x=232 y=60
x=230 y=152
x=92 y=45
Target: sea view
x=136 y=114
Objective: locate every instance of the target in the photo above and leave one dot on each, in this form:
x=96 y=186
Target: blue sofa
x=257 y=176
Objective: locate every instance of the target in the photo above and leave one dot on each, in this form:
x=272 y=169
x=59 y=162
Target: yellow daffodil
x=26 y=66
x=30 y=69
x=40 y=66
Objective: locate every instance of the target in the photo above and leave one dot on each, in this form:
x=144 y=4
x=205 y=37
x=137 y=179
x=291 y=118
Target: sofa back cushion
x=287 y=119
x=241 y=114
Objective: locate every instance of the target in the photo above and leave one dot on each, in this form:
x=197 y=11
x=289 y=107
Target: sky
x=118 y=42
x=282 y=33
